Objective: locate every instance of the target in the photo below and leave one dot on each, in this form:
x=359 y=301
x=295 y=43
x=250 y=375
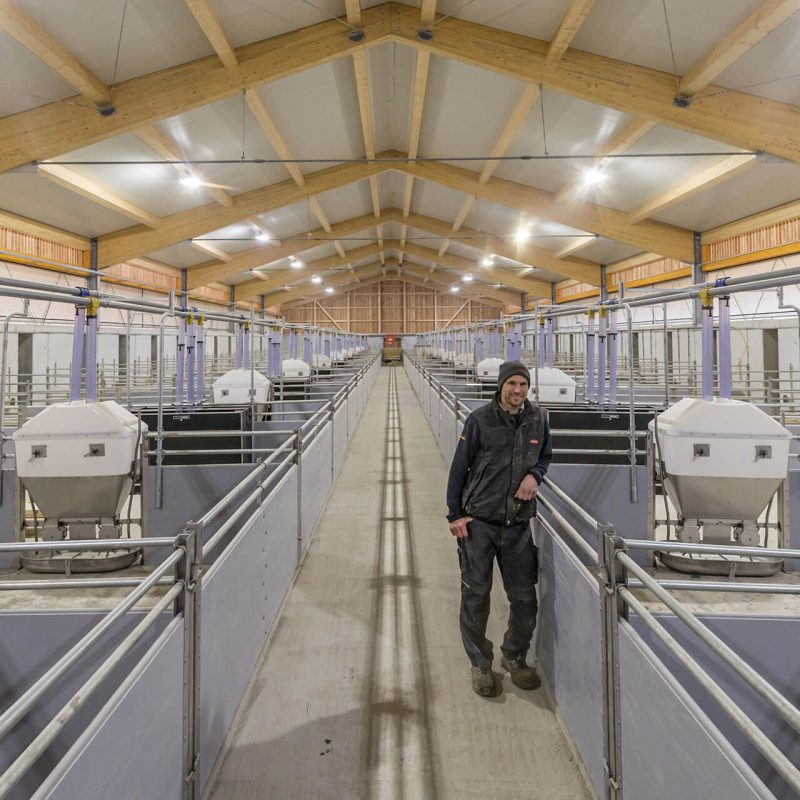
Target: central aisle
x=363 y=690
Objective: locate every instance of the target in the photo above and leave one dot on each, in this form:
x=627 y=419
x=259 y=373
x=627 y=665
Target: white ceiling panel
x=346 y=202
x=571 y=127
x=316 y=112
x=453 y=127
x=757 y=189
x=30 y=195
x=225 y=130
x=770 y=69
x=154 y=187
x=636 y=30
x=181 y=255
x=391 y=80
x=632 y=181
x=392 y=186
x=26 y=81
x=289 y=221
x=605 y=251
x=152 y=36
x=435 y=200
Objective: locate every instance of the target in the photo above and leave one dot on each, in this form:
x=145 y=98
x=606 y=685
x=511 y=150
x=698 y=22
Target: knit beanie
x=510 y=368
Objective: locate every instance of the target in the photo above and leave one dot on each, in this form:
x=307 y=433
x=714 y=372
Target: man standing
x=501 y=458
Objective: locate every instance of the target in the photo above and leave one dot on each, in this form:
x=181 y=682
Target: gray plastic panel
x=339 y=437
x=148 y=725
x=234 y=628
x=315 y=481
x=568 y=649
x=668 y=751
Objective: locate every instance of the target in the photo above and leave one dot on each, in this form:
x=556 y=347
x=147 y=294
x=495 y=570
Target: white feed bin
x=321 y=361
x=295 y=368
x=723 y=461
x=555 y=386
x=233 y=388
x=488 y=369
x=464 y=360
x=76 y=459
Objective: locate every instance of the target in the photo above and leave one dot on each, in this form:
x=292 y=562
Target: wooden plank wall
x=391 y=306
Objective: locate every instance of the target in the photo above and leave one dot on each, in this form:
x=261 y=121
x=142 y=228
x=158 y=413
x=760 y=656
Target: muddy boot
x=522 y=675
x=484 y=682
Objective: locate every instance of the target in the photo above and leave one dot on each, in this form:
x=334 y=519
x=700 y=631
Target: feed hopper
x=720 y=462
x=555 y=386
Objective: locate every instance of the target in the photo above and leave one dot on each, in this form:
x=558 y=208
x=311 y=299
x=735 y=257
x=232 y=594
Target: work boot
x=484 y=682
x=522 y=675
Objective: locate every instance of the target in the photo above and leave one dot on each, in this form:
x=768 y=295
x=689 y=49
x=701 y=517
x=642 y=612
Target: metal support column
x=612 y=576
x=697 y=275
x=603 y=287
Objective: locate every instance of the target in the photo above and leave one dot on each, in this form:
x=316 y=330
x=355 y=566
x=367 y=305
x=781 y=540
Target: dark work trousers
x=517 y=559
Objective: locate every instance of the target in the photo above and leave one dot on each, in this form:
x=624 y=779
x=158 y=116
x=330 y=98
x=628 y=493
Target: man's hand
x=459 y=527
x=528 y=489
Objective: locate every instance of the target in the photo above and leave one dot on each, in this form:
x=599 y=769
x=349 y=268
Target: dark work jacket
x=495 y=451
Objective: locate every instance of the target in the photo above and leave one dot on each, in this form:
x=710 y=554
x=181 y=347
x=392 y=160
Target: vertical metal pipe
x=76 y=367
x=246 y=346
x=326 y=344
x=550 y=341
x=542 y=345
x=128 y=359
x=91 y=355
x=667 y=366
x=160 y=431
x=191 y=336
x=612 y=362
x=479 y=337
x=181 y=355
x=707 y=346
x=634 y=489
x=293 y=344
x=601 y=357
x=239 y=345
x=590 y=393
x=724 y=347
x=200 y=345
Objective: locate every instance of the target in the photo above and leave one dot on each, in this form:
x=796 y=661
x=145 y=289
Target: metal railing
x=179 y=577
x=609 y=566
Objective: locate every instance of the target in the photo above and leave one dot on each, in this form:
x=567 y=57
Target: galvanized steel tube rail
x=26 y=701
x=52 y=730
x=734 y=661
x=714 y=549
x=770 y=751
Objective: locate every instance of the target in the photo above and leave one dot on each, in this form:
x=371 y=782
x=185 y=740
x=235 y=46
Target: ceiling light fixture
x=316 y=279
x=488 y=261
x=189 y=179
x=329 y=289
x=593 y=176
x=467 y=278
x=523 y=233
x=455 y=288
x=262 y=236
x=295 y=262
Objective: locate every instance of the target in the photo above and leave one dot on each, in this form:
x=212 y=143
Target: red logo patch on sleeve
x=534 y=441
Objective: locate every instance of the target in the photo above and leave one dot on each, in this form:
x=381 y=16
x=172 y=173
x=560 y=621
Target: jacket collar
x=526 y=410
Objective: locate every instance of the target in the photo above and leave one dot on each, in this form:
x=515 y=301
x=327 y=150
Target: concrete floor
x=363 y=690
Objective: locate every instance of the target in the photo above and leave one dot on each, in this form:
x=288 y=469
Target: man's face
x=514 y=392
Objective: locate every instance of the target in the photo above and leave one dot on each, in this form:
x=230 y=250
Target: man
x=501 y=458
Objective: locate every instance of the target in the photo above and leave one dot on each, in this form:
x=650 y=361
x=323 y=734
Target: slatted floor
x=363 y=690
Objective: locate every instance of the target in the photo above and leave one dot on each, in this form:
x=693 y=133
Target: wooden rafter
x=267 y=124
x=17 y=24
x=619 y=143
x=202 y=274
x=568 y=29
x=209 y=23
x=164 y=146
x=669 y=240
x=574 y=246
x=527 y=100
x=527 y=253
x=736 y=118
x=77 y=183
x=765 y=19
x=277 y=279
x=50 y=130
x=211 y=250
x=715 y=174
x=131 y=242
x=31 y=227
x=504 y=276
